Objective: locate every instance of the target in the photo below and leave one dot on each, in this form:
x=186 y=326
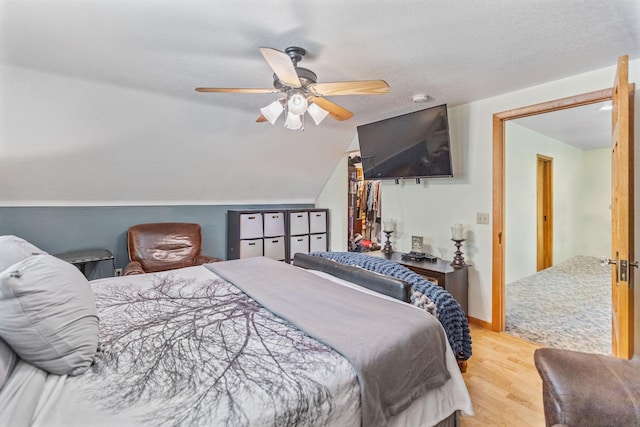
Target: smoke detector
x=418 y=98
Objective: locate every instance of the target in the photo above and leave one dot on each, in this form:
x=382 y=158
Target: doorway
x=499 y=120
x=622 y=206
x=558 y=186
x=544 y=212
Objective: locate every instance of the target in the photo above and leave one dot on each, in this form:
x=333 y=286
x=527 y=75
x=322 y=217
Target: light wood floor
x=503 y=382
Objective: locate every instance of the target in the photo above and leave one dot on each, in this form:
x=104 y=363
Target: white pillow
x=48 y=314
x=7 y=361
x=14 y=249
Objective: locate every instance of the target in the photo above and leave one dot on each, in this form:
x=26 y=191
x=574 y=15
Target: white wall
x=574 y=192
x=65 y=141
x=596 y=212
x=334 y=197
x=430 y=208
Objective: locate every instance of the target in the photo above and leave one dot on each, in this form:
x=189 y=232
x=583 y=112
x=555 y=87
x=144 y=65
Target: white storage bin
x=251 y=248
x=299 y=244
x=251 y=226
x=317 y=222
x=274 y=248
x=299 y=223
x=318 y=243
x=273 y=224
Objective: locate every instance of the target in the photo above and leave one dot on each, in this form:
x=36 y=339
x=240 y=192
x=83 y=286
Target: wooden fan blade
x=261 y=119
x=236 y=90
x=335 y=111
x=363 y=87
x=281 y=64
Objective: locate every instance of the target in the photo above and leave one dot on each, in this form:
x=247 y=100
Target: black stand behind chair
x=582 y=389
x=88 y=262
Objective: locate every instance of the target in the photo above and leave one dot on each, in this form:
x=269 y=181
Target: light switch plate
x=416 y=243
x=483 y=218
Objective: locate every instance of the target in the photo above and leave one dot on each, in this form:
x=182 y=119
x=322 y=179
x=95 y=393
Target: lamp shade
x=297 y=102
x=317 y=113
x=293 y=121
x=457 y=232
x=389 y=225
x=272 y=111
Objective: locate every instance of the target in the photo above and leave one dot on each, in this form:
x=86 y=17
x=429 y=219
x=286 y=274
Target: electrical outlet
x=118 y=272
x=483 y=217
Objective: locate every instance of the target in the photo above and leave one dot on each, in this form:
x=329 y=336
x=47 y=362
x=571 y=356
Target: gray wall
x=62 y=229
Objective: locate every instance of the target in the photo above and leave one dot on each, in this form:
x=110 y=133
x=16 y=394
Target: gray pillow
x=7 y=361
x=48 y=314
x=14 y=249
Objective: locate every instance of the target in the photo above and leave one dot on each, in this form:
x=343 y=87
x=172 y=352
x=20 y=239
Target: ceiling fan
x=302 y=93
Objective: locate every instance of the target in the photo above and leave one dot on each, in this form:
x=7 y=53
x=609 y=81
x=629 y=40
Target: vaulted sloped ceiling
x=97 y=100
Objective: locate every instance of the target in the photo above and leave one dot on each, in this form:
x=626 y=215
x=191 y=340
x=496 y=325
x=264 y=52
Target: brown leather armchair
x=582 y=389
x=164 y=246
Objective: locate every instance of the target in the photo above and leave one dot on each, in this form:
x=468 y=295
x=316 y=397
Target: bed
x=198 y=346
x=421 y=292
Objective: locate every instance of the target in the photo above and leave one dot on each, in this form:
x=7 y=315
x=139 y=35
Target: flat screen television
x=413 y=145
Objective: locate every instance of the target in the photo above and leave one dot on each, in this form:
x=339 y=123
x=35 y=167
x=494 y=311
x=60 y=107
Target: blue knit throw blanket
x=449 y=313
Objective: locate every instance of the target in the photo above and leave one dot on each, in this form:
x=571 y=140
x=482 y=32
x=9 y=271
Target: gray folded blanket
x=396 y=350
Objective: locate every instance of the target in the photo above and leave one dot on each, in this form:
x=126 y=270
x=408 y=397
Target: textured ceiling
x=587 y=127
x=454 y=51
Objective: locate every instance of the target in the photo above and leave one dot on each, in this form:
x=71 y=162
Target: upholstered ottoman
x=581 y=389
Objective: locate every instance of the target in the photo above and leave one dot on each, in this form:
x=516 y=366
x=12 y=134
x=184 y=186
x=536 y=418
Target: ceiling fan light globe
x=272 y=111
x=293 y=121
x=297 y=103
x=317 y=113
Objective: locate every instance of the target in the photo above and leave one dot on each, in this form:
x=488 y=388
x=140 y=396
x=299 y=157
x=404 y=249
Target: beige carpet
x=565 y=306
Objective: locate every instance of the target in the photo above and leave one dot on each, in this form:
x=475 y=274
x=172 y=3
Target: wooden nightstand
x=454 y=280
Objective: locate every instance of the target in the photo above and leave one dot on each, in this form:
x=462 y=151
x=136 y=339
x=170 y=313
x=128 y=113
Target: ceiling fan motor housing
x=305 y=75
x=295 y=53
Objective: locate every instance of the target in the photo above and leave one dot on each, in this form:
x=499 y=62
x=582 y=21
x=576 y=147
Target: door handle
x=622 y=267
x=606 y=261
